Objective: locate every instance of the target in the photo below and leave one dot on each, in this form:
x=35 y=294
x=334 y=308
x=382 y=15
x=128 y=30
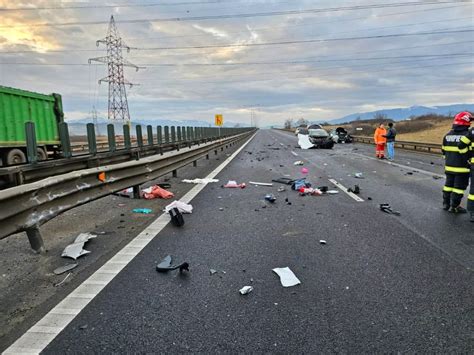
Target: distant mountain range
x=78 y=127
x=399 y=114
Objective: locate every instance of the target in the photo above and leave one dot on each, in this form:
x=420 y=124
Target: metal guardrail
x=418 y=146
x=115 y=150
x=26 y=207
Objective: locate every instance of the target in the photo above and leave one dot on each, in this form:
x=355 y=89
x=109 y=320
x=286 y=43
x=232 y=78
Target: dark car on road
x=320 y=137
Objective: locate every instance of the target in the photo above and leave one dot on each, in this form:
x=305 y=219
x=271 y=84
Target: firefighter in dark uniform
x=456 y=165
x=468 y=142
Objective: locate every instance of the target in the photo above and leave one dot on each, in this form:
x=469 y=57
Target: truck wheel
x=15 y=156
x=42 y=155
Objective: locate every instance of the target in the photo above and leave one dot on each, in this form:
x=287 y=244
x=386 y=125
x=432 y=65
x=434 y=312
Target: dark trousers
x=470 y=198
x=454 y=188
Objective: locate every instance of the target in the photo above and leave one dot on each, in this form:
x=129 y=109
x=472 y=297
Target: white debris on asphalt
x=181 y=206
x=75 y=250
x=298 y=162
x=260 y=183
x=200 y=181
x=304 y=142
x=246 y=290
x=322 y=241
x=287 y=277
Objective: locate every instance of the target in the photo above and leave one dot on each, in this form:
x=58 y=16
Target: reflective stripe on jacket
x=467 y=142
x=457 y=155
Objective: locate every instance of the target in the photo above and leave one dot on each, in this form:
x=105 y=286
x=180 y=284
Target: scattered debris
x=166 y=266
x=332 y=192
x=369 y=198
x=212 y=271
x=323 y=189
x=309 y=191
x=322 y=241
x=63 y=281
x=142 y=210
x=304 y=142
x=200 y=181
x=284 y=180
x=260 y=183
x=276 y=148
x=437 y=177
x=298 y=162
x=156 y=192
x=101 y=177
x=304 y=171
x=385 y=207
x=281 y=189
x=125 y=193
x=62 y=269
x=164 y=185
x=75 y=250
x=270 y=198
x=287 y=277
x=358 y=176
x=181 y=206
x=176 y=217
x=246 y=290
x=355 y=190
x=299 y=183
x=221 y=209
x=409 y=173
x=233 y=184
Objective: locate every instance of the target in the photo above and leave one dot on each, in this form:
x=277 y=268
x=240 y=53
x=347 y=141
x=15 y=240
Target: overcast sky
x=326 y=67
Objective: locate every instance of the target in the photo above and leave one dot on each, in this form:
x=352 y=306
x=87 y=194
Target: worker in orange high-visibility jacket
x=380 y=140
x=456 y=165
x=467 y=142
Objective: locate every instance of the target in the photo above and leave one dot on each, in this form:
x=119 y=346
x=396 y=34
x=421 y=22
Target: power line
x=248 y=15
x=303 y=61
x=110 y=6
x=303 y=41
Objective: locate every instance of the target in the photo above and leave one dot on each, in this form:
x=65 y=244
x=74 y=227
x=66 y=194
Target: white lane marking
x=44 y=331
x=402 y=166
x=292 y=152
x=344 y=189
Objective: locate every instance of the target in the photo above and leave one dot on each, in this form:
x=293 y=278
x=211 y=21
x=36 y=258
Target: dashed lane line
x=295 y=154
x=43 y=332
x=344 y=189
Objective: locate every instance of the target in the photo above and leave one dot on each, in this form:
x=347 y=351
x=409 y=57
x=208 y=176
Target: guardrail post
x=139 y=136
x=167 y=134
x=64 y=138
x=190 y=134
x=136 y=191
x=178 y=133
x=126 y=137
x=159 y=135
x=91 y=139
x=184 y=134
x=173 y=134
x=149 y=134
x=31 y=146
x=35 y=238
x=111 y=137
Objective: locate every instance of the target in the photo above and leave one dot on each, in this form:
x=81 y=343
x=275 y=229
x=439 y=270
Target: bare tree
x=301 y=122
x=288 y=123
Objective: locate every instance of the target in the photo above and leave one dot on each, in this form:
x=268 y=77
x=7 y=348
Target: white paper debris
x=304 y=142
x=181 y=206
x=322 y=241
x=74 y=251
x=84 y=237
x=287 y=277
x=332 y=192
x=260 y=183
x=246 y=290
x=200 y=181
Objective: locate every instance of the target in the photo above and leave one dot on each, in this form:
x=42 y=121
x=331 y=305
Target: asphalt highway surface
x=381 y=283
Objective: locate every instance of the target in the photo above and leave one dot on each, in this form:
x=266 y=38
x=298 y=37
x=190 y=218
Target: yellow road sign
x=219 y=120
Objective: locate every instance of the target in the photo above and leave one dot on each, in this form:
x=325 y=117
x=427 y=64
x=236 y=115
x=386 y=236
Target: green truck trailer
x=18 y=107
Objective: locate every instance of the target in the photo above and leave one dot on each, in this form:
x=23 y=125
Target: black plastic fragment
x=166 y=266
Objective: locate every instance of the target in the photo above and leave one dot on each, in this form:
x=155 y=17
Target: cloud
x=319 y=81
